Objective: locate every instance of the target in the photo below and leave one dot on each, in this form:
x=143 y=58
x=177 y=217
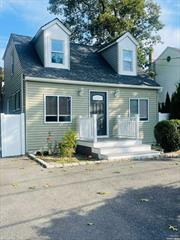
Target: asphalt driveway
x=129 y=200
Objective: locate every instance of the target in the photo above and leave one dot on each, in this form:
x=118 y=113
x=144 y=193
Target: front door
x=98 y=101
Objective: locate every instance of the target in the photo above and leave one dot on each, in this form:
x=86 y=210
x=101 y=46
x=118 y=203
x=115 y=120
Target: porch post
x=119 y=125
x=137 y=126
x=79 y=128
x=95 y=128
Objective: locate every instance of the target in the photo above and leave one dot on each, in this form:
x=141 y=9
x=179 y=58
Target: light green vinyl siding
x=37 y=130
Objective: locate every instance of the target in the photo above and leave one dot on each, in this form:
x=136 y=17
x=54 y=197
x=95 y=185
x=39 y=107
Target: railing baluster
x=128 y=127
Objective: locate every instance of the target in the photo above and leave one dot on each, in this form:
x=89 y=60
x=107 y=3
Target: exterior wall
x=37 y=130
x=39 y=46
x=12 y=83
x=111 y=56
x=168 y=73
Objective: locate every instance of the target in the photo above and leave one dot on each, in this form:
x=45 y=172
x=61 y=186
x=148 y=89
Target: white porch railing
x=88 y=128
x=128 y=127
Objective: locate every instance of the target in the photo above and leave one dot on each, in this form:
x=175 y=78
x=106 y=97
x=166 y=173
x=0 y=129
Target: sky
x=27 y=16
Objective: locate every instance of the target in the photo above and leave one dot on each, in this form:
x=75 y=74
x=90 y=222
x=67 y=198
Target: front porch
x=125 y=143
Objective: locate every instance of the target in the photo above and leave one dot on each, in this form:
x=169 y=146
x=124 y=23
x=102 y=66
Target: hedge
x=167 y=134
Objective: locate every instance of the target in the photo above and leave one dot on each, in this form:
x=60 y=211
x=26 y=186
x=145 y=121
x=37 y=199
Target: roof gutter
x=74 y=82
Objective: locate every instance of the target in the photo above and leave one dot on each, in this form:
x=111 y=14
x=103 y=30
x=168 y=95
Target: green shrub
x=175 y=104
x=176 y=123
x=67 y=146
x=167 y=134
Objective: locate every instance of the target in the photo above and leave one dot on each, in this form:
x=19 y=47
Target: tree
x=175 y=104
x=167 y=103
x=101 y=21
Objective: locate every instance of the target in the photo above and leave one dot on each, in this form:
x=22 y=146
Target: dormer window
x=127 y=60
x=57 y=51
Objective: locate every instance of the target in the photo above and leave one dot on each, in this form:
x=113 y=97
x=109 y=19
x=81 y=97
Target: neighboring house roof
x=173 y=48
x=85 y=65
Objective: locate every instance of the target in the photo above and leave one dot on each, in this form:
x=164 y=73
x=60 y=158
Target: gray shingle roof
x=85 y=65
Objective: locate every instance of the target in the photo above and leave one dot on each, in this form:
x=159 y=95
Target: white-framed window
x=12 y=64
x=127 y=60
x=58 y=109
x=139 y=106
x=57 y=51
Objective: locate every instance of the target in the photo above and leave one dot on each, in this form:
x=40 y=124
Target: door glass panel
x=97 y=97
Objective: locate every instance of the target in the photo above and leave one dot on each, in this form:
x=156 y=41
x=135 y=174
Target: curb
x=83 y=163
x=60 y=165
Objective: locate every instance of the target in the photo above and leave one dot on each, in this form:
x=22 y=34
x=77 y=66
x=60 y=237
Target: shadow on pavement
x=137 y=214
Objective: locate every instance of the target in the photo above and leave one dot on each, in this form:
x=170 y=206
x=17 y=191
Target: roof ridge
x=16 y=34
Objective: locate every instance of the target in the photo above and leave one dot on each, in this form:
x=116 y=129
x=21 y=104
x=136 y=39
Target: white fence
x=163 y=116
x=88 y=128
x=12 y=135
x=128 y=127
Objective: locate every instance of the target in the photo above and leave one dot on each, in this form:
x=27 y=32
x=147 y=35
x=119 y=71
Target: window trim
x=129 y=50
x=61 y=64
x=139 y=107
x=54 y=95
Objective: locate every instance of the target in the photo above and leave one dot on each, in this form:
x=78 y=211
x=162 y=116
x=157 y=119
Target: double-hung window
x=57 y=109
x=127 y=60
x=139 y=106
x=57 y=51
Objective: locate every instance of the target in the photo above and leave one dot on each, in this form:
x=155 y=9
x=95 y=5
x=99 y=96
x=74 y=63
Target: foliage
x=167 y=103
x=100 y=21
x=67 y=146
x=175 y=104
x=165 y=107
x=167 y=134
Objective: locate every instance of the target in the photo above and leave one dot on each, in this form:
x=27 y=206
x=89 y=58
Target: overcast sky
x=26 y=16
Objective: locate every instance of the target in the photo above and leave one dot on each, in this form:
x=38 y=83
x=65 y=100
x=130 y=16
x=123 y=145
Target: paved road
x=141 y=199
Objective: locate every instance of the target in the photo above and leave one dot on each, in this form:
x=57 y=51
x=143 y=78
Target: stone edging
x=60 y=165
x=170 y=155
x=82 y=163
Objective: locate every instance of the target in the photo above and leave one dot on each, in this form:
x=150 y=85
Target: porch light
x=81 y=92
x=117 y=93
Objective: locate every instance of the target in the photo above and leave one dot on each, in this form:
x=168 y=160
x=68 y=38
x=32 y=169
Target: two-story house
x=167 y=68
x=61 y=85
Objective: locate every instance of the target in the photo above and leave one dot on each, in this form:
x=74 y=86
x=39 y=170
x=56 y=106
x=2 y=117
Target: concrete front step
x=133 y=155
x=117 y=143
x=121 y=150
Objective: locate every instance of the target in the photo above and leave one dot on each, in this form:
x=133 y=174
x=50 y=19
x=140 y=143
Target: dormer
x=122 y=55
x=52 y=43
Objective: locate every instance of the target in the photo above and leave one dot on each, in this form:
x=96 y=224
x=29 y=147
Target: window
x=57 y=51
x=58 y=109
x=127 y=60
x=12 y=64
x=139 y=106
